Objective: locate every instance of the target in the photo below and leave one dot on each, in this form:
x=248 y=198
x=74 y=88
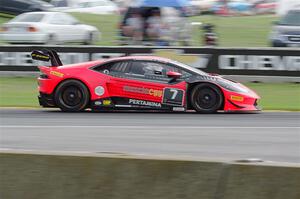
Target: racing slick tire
x=72 y=96
x=206 y=98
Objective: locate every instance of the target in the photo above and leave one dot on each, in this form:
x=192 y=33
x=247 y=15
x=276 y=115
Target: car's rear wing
x=47 y=55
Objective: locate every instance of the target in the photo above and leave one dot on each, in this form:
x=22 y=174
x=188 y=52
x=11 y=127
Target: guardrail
x=226 y=61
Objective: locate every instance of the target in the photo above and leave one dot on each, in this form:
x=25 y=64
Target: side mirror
x=173 y=75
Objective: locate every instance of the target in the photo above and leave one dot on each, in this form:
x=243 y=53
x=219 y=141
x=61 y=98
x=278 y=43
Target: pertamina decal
x=144 y=103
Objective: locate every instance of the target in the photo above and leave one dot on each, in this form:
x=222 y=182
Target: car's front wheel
x=72 y=96
x=206 y=98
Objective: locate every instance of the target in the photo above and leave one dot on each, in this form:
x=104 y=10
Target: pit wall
x=31 y=175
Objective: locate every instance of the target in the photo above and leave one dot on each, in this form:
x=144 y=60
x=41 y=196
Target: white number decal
x=175 y=92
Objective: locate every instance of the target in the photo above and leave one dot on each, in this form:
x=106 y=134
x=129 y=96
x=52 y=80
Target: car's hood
x=294 y=30
x=225 y=83
x=234 y=86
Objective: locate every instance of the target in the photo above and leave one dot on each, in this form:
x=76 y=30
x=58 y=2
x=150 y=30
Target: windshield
x=32 y=17
x=189 y=68
x=291 y=19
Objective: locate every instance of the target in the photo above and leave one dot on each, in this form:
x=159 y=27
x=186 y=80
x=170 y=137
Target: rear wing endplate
x=47 y=55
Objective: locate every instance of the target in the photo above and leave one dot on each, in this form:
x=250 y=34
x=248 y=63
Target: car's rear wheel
x=90 y=39
x=206 y=98
x=51 y=40
x=72 y=96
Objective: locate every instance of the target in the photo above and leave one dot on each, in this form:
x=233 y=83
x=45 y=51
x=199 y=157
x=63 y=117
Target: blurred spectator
x=134 y=27
x=156 y=29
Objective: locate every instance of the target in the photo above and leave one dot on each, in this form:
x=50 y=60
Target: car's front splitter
x=46 y=100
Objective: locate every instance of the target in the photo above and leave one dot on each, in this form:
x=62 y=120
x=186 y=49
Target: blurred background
x=233 y=25
x=225 y=23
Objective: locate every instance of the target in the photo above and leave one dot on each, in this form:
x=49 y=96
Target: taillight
x=32 y=29
x=3 y=29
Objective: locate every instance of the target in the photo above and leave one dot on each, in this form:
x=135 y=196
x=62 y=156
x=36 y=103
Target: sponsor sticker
x=39 y=56
x=57 y=74
x=147 y=91
x=144 y=103
x=178 y=109
x=237 y=98
x=99 y=90
x=106 y=102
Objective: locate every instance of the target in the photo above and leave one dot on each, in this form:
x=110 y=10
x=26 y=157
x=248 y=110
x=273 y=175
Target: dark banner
x=226 y=61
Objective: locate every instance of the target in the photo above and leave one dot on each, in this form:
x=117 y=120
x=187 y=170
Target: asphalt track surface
x=270 y=136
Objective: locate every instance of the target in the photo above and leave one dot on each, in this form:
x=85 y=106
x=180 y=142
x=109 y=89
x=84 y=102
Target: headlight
x=231 y=86
x=276 y=34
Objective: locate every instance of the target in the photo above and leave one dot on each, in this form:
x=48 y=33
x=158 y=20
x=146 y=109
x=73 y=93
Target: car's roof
x=140 y=57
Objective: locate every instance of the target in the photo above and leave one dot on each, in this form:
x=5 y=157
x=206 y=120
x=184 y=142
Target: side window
x=114 y=68
x=68 y=20
x=184 y=74
x=57 y=19
x=154 y=70
x=62 y=19
x=137 y=68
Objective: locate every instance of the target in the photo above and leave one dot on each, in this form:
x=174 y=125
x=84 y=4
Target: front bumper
x=46 y=100
x=285 y=42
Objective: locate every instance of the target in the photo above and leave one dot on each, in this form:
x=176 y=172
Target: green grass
x=239 y=31
x=18 y=91
x=106 y=24
x=22 y=92
x=279 y=96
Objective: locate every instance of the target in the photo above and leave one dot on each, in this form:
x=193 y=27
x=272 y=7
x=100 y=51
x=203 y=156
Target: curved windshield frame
x=292 y=18
x=188 y=68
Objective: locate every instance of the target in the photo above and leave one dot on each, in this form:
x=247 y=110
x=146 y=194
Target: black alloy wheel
x=206 y=98
x=72 y=96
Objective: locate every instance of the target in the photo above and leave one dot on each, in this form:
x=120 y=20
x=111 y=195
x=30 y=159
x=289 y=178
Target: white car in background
x=48 y=28
x=201 y=6
x=88 y=6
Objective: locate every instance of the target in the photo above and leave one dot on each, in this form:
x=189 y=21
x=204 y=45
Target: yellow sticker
x=55 y=73
x=40 y=56
x=106 y=102
x=237 y=98
x=155 y=93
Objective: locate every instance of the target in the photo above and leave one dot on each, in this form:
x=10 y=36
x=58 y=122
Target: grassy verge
x=240 y=31
x=18 y=91
x=22 y=92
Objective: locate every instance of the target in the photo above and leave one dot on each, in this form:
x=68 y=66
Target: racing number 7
x=175 y=92
x=173 y=96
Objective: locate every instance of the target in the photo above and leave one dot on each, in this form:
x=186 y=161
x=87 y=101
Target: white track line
x=150 y=127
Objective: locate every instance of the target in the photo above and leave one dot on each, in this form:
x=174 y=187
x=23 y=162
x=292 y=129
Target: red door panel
x=143 y=90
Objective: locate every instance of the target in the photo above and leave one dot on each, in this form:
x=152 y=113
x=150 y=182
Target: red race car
x=137 y=82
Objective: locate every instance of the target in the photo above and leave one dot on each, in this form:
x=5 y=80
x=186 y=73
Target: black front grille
x=255 y=103
x=294 y=38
